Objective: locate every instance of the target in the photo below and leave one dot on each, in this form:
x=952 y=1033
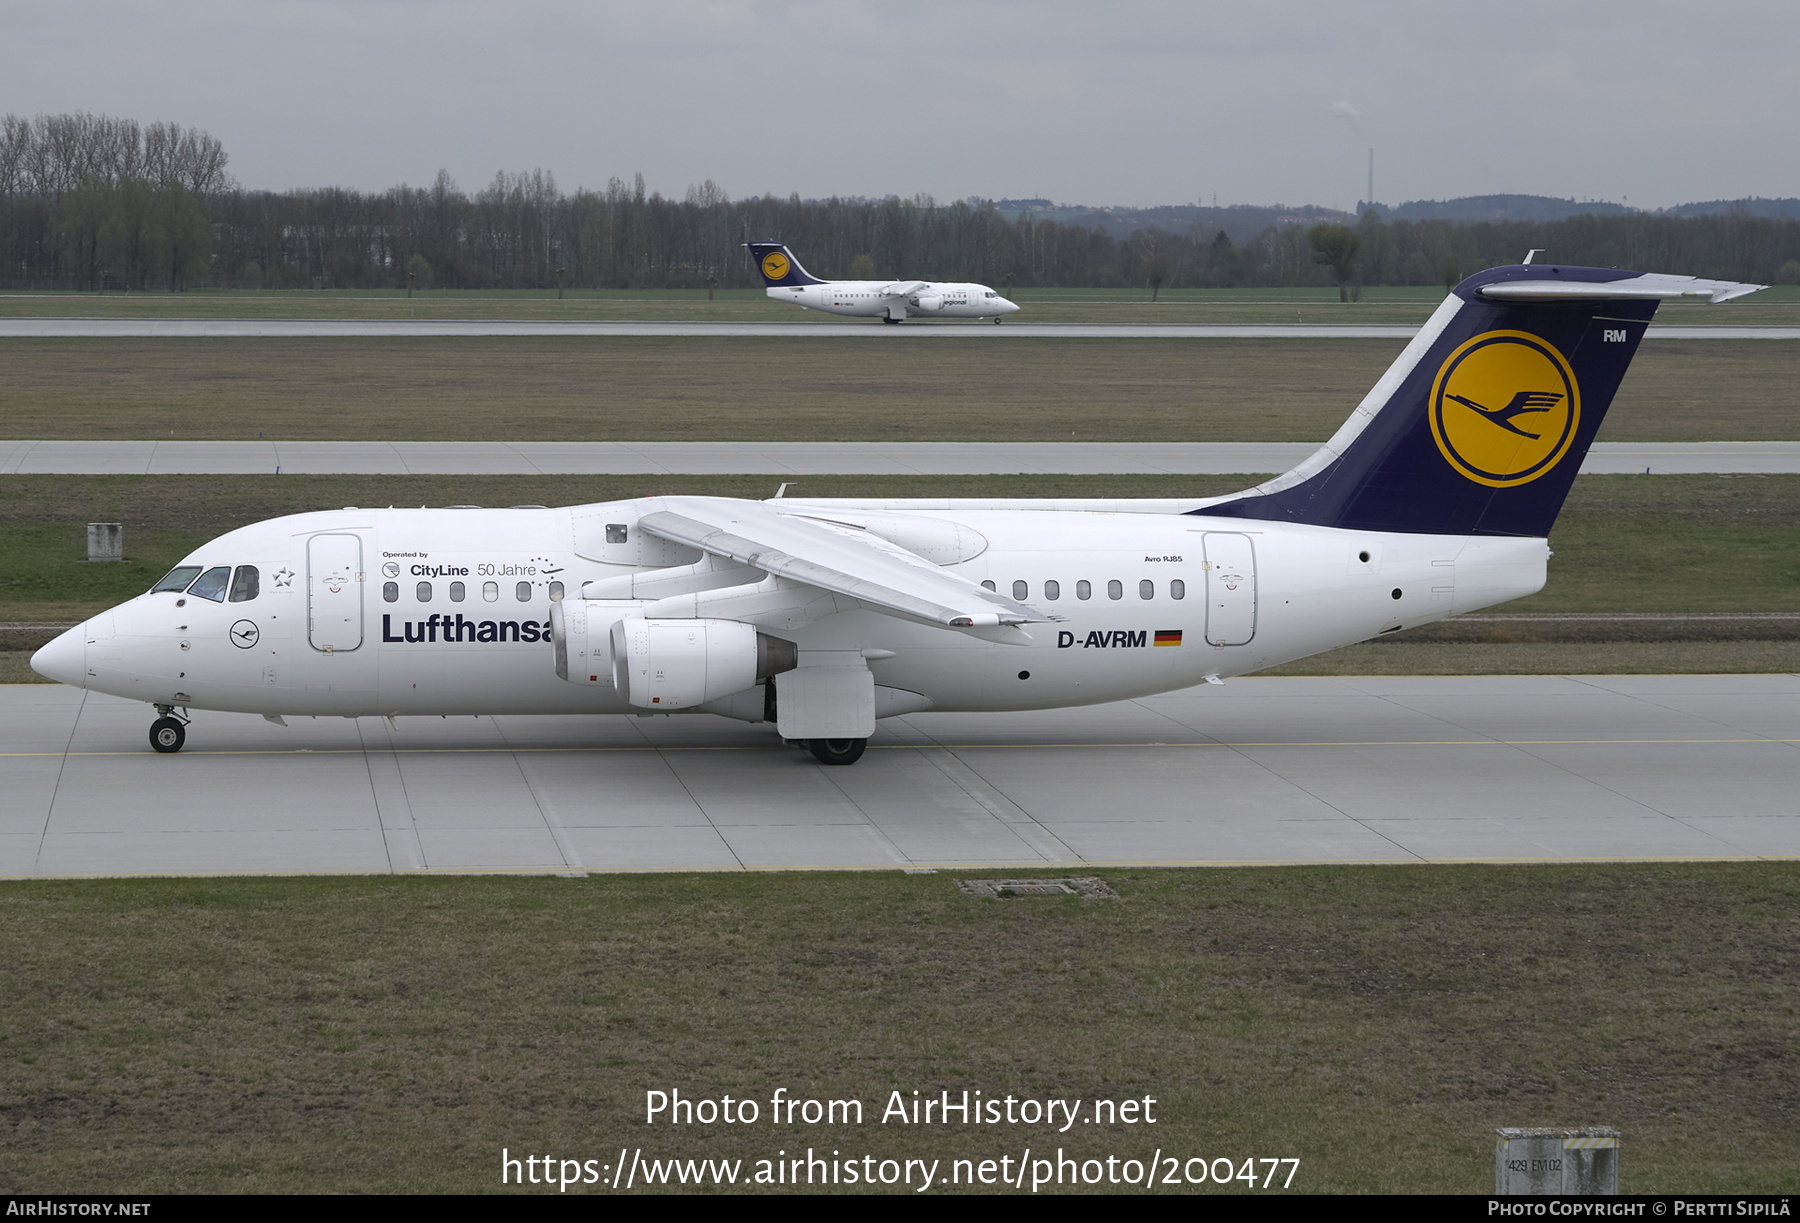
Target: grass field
x=1376 y=1023
x=1661 y=544
x=1384 y=304
x=648 y=389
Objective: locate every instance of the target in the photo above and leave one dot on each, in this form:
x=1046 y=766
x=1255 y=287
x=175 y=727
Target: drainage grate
x=1002 y=889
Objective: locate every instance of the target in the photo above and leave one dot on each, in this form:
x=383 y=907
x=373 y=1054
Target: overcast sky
x=1649 y=101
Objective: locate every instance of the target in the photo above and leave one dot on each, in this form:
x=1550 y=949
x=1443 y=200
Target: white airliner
x=889 y=300
x=1434 y=498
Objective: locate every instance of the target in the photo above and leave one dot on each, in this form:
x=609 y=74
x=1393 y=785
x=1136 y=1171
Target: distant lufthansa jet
x=889 y=300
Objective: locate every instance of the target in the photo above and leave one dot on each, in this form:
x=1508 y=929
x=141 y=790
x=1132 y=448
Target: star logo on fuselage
x=284 y=576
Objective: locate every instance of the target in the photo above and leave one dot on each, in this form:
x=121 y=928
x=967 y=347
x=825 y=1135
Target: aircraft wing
x=839 y=559
x=903 y=288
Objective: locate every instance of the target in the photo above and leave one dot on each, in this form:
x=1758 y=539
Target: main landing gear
x=168 y=732
x=837 y=751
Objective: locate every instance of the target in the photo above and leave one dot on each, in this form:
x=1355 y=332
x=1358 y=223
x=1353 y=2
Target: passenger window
x=1177 y=589
x=1115 y=589
x=390 y=592
x=424 y=592
x=1083 y=590
x=456 y=592
x=1146 y=589
x=523 y=591
x=1053 y=590
x=177 y=579
x=245 y=584
x=1021 y=590
x=490 y=591
x=211 y=584
x=615 y=532
x=556 y=592
x=989 y=585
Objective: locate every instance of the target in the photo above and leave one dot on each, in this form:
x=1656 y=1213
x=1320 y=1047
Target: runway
x=195 y=328
x=1385 y=770
x=786 y=458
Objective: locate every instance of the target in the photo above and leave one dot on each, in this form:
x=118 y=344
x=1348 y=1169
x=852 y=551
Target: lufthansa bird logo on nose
x=775 y=265
x=244 y=634
x=1505 y=408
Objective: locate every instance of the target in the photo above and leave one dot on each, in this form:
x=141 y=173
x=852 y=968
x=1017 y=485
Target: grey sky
x=1121 y=103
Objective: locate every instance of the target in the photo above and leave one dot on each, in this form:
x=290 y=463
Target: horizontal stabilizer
x=1650 y=287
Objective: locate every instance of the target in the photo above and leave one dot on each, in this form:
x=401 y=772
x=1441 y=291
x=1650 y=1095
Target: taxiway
x=144 y=458
x=194 y=328
x=1389 y=770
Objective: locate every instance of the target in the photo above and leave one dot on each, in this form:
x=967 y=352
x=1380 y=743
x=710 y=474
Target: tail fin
x=1481 y=424
x=778 y=266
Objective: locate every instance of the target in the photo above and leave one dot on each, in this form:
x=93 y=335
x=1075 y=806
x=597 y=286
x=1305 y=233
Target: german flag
x=1168 y=636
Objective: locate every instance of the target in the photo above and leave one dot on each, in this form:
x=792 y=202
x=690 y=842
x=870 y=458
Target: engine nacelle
x=580 y=631
x=929 y=302
x=677 y=664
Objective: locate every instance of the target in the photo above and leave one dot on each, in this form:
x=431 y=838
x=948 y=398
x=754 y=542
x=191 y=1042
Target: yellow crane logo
x=1504 y=408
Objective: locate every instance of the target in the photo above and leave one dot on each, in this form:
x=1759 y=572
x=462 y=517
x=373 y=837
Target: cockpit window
x=245 y=584
x=211 y=584
x=178 y=578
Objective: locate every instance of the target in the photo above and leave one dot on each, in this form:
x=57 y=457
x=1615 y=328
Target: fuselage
x=867 y=299
x=448 y=611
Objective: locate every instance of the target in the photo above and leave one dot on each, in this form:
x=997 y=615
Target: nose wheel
x=167 y=733
x=837 y=751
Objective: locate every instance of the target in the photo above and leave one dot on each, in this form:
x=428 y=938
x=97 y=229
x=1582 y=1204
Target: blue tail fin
x=1482 y=423
x=778 y=266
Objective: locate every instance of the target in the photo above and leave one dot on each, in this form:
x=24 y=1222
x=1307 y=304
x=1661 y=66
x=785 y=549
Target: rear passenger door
x=1230 y=588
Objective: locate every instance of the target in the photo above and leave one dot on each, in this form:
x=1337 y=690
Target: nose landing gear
x=168 y=732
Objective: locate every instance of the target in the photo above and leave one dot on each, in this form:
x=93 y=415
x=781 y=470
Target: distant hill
x=1782 y=208
x=1242 y=223
x=1494 y=208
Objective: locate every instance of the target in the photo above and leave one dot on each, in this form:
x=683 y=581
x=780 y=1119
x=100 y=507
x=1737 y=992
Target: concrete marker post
x=1581 y=1161
x=106 y=541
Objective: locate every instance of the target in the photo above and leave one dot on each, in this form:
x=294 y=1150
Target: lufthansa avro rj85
x=889 y=300
x=821 y=617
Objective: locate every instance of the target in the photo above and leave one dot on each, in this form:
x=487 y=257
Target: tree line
x=91 y=202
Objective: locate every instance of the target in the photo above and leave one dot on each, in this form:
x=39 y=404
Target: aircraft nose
x=64 y=659
x=1012 y=307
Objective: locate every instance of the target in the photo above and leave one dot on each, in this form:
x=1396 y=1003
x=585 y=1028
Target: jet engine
x=677 y=664
x=579 y=633
x=929 y=302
